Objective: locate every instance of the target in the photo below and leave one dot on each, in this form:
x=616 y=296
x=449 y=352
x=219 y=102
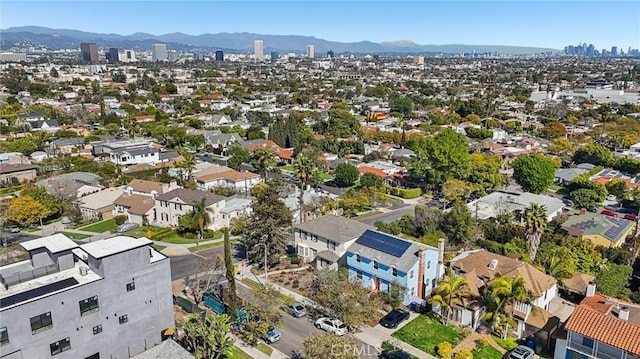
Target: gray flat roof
x=113 y=245
x=54 y=243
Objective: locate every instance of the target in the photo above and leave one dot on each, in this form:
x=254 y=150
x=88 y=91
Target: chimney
x=624 y=313
x=420 y=292
x=591 y=289
x=440 y=269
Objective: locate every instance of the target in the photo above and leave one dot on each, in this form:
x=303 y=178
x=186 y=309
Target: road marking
x=198 y=255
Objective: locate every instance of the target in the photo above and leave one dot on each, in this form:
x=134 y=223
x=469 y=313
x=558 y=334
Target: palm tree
x=501 y=296
x=208 y=337
x=305 y=171
x=188 y=164
x=449 y=293
x=536 y=222
x=200 y=215
x=263 y=160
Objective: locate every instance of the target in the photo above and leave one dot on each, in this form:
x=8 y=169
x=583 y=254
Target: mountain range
x=237 y=42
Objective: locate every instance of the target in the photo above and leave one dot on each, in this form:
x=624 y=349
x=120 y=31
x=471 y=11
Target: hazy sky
x=544 y=23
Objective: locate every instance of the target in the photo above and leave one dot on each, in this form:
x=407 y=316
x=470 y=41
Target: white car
x=332 y=325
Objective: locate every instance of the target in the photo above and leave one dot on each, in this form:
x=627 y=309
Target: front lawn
x=100 y=227
x=507 y=344
x=486 y=352
x=237 y=353
x=425 y=333
x=75 y=235
x=158 y=248
x=267 y=350
x=205 y=246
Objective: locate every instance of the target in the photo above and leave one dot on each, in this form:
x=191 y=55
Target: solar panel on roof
x=383 y=243
x=37 y=292
x=605 y=172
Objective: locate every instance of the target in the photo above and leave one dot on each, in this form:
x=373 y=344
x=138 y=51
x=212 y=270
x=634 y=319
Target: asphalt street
x=12 y=238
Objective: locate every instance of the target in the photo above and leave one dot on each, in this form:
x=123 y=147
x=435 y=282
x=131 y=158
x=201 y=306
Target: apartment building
x=601 y=327
x=105 y=299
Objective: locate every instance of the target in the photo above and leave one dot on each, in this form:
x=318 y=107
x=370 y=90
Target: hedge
x=407 y=193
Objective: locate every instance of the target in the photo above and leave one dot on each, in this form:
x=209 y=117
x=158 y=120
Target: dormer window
x=394 y=272
x=358 y=259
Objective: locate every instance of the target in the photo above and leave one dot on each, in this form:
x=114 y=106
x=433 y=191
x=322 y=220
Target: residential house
x=66 y=146
x=253 y=145
x=222 y=176
x=127 y=151
x=221 y=142
x=17 y=173
x=481 y=267
x=217 y=120
x=105 y=299
x=99 y=205
x=149 y=188
x=565 y=175
x=172 y=205
x=607 y=175
x=49 y=125
x=601 y=327
x=495 y=203
x=235 y=207
x=72 y=185
x=601 y=230
x=326 y=239
x=136 y=207
x=378 y=259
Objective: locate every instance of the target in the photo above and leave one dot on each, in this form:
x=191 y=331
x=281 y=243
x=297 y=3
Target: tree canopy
x=534 y=172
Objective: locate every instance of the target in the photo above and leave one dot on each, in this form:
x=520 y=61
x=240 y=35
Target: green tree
x=347 y=299
x=614 y=280
x=457 y=224
x=25 y=210
x=594 y=154
x=617 y=187
x=238 y=155
x=534 y=172
x=52 y=205
x=554 y=130
x=485 y=173
x=208 y=338
x=402 y=105
x=329 y=346
x=346 y=174
x=535 y=219
x=265 y=305
x=231 y=277
x=200 y=216
x=455 y=189
x=306 y=172
x=442 y=157
x=371 y=180
x=263 y=160
x=478 y=133
x=450 y=292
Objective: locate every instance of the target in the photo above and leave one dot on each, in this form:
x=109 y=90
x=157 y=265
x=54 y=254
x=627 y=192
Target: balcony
x=590 y=352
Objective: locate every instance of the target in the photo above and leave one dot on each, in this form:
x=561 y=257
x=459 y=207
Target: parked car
x=631 y=217
x=332 y=325
x=272 y=335
x=11 y=229
x=394 y=354
x=608 y=212
x=611 y=197
x=521 y=352
x=592 y=209
x=125 y=227
x=394 y=318
x=297 y=310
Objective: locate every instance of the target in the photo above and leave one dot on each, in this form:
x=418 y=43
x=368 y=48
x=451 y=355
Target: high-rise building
x=172 y=55
x=330 y=54
x=158 y=52
x=418 y=60
x=89 y=52
x=219 y=55
x=105 y=299
x=310 y=51
x=274 y=56
x=614 y=51
x=258 y=50
x=114 y=55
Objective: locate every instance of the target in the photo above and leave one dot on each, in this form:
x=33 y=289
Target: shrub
x=483 y=342
x=296 y=260
x=466 y=331
x=287 y=283
x=295 y=283
x=410 y=193
x=463 y=354
x=120 y=219
x=189 y=235
x=445 y=349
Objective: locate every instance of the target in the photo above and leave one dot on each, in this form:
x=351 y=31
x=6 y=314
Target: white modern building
x=310 y=51
x=158 y=52
x=106 y=299
x=258 y=50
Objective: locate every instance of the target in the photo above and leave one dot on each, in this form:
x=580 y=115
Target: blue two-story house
x=377 y=259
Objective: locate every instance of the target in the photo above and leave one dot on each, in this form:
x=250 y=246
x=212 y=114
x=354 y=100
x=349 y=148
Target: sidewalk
x=255 y=353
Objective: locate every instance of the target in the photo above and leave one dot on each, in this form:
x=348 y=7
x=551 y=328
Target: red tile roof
x=593 y=319
x=375 y=171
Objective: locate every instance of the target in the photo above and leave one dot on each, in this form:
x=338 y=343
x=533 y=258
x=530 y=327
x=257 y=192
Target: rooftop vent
x=84 y=270
x=624 y=313
x=493 y=265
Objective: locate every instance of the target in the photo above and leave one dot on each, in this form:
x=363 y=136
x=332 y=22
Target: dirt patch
x=298 y=281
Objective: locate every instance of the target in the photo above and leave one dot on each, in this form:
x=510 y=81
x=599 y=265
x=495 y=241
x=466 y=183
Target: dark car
x=592 y=209
x=394 y=317
x=394 y=354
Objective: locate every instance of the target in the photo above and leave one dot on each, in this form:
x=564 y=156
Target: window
x=60 y=346
x=587 y=342
x=4 y=336
x=41 y=323
x=97 y=329
x=131 y=286
x=428 y=264
x=394 y=272
x=314 y=238
x=411 y=275
x=331 y=245
x=89 y=305
x=359 y=275
x=413 y=291
x=375 y=264
x=358 y=258
x=123 y=319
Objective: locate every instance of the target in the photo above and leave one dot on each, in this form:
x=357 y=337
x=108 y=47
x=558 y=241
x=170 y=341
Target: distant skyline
x=552 y=24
